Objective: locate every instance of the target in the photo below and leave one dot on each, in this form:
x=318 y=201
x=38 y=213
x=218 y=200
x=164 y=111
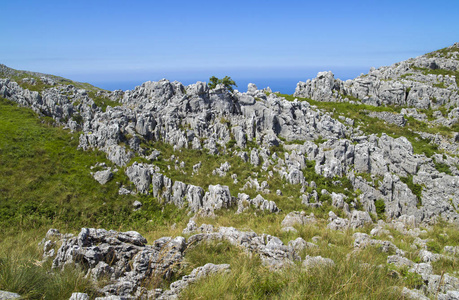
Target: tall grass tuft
x=22 y=271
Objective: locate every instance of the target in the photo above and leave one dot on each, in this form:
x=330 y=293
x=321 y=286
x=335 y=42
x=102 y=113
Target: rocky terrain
x=307 y=159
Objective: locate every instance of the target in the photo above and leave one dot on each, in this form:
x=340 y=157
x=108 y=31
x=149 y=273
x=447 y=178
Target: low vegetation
x=443 y=72
x=414 y=187
x=102 y=101
x=348 y=279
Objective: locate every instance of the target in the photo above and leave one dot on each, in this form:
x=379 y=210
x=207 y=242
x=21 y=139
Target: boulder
x=4 y=295
x=103 y=176
x=298 y=218
x=217 y=197
x=359 y=219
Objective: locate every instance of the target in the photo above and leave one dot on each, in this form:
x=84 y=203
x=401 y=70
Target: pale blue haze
x=119 y=44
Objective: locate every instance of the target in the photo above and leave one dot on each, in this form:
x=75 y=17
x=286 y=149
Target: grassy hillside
x=45 y=182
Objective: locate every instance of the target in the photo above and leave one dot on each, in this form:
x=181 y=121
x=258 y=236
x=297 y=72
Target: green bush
x=380 y=208
x=226 y=81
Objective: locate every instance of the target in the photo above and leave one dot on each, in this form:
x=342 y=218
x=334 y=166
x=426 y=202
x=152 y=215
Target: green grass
x=446 y=266
x=443 y=234
x=350 y=278
x=406 y=75
x=442 y=167
x=102 y=102
x=45 y=180
x=380 y=208
x=444 y=52
x=443 y=72
x=22 y=272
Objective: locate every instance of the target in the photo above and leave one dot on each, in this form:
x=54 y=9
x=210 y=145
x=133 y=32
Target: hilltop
x=346 y=188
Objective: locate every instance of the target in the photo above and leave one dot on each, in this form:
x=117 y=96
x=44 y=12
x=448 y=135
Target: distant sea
x=284 y=83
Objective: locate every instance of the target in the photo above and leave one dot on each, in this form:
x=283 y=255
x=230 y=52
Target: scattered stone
x=178 y=286
x=122 y=256
x=300 y=244
x=79 y=296
x=310 y=262
x=137 y=205
x=337 y=223
x=289 y=229
x=413 y=294
x=362 y=240
x=298 y=218
x=103 y=176
x=423 y=269
x=191 y=227
x=338 y=201
x=245 y=202
x=450 y=295
x=359 y=219
x=124 y=191
x=427 y=256
x=4 y=295
x=154 y=155
x=399 y=261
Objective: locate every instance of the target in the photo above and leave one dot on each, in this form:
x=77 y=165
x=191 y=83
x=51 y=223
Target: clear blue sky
x=98 y=41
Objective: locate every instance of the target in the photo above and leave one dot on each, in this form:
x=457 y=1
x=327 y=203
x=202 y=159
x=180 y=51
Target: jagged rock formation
x=199 y=118
x=408 y=83
x=124 y=259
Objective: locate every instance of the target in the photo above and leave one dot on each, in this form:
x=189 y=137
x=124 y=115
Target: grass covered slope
x=35 y=81
x=45 y=180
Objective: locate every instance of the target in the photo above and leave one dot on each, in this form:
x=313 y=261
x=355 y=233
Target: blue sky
x=116 y=41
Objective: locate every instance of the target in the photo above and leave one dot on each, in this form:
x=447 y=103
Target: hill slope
x=309 y=176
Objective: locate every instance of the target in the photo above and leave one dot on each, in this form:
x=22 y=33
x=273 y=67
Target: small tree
x=226 y=81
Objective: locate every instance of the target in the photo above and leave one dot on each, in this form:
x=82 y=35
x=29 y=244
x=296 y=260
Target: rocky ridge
x=415 y=82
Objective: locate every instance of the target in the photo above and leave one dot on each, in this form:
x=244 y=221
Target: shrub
x=380 y=208
x=226 y=81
